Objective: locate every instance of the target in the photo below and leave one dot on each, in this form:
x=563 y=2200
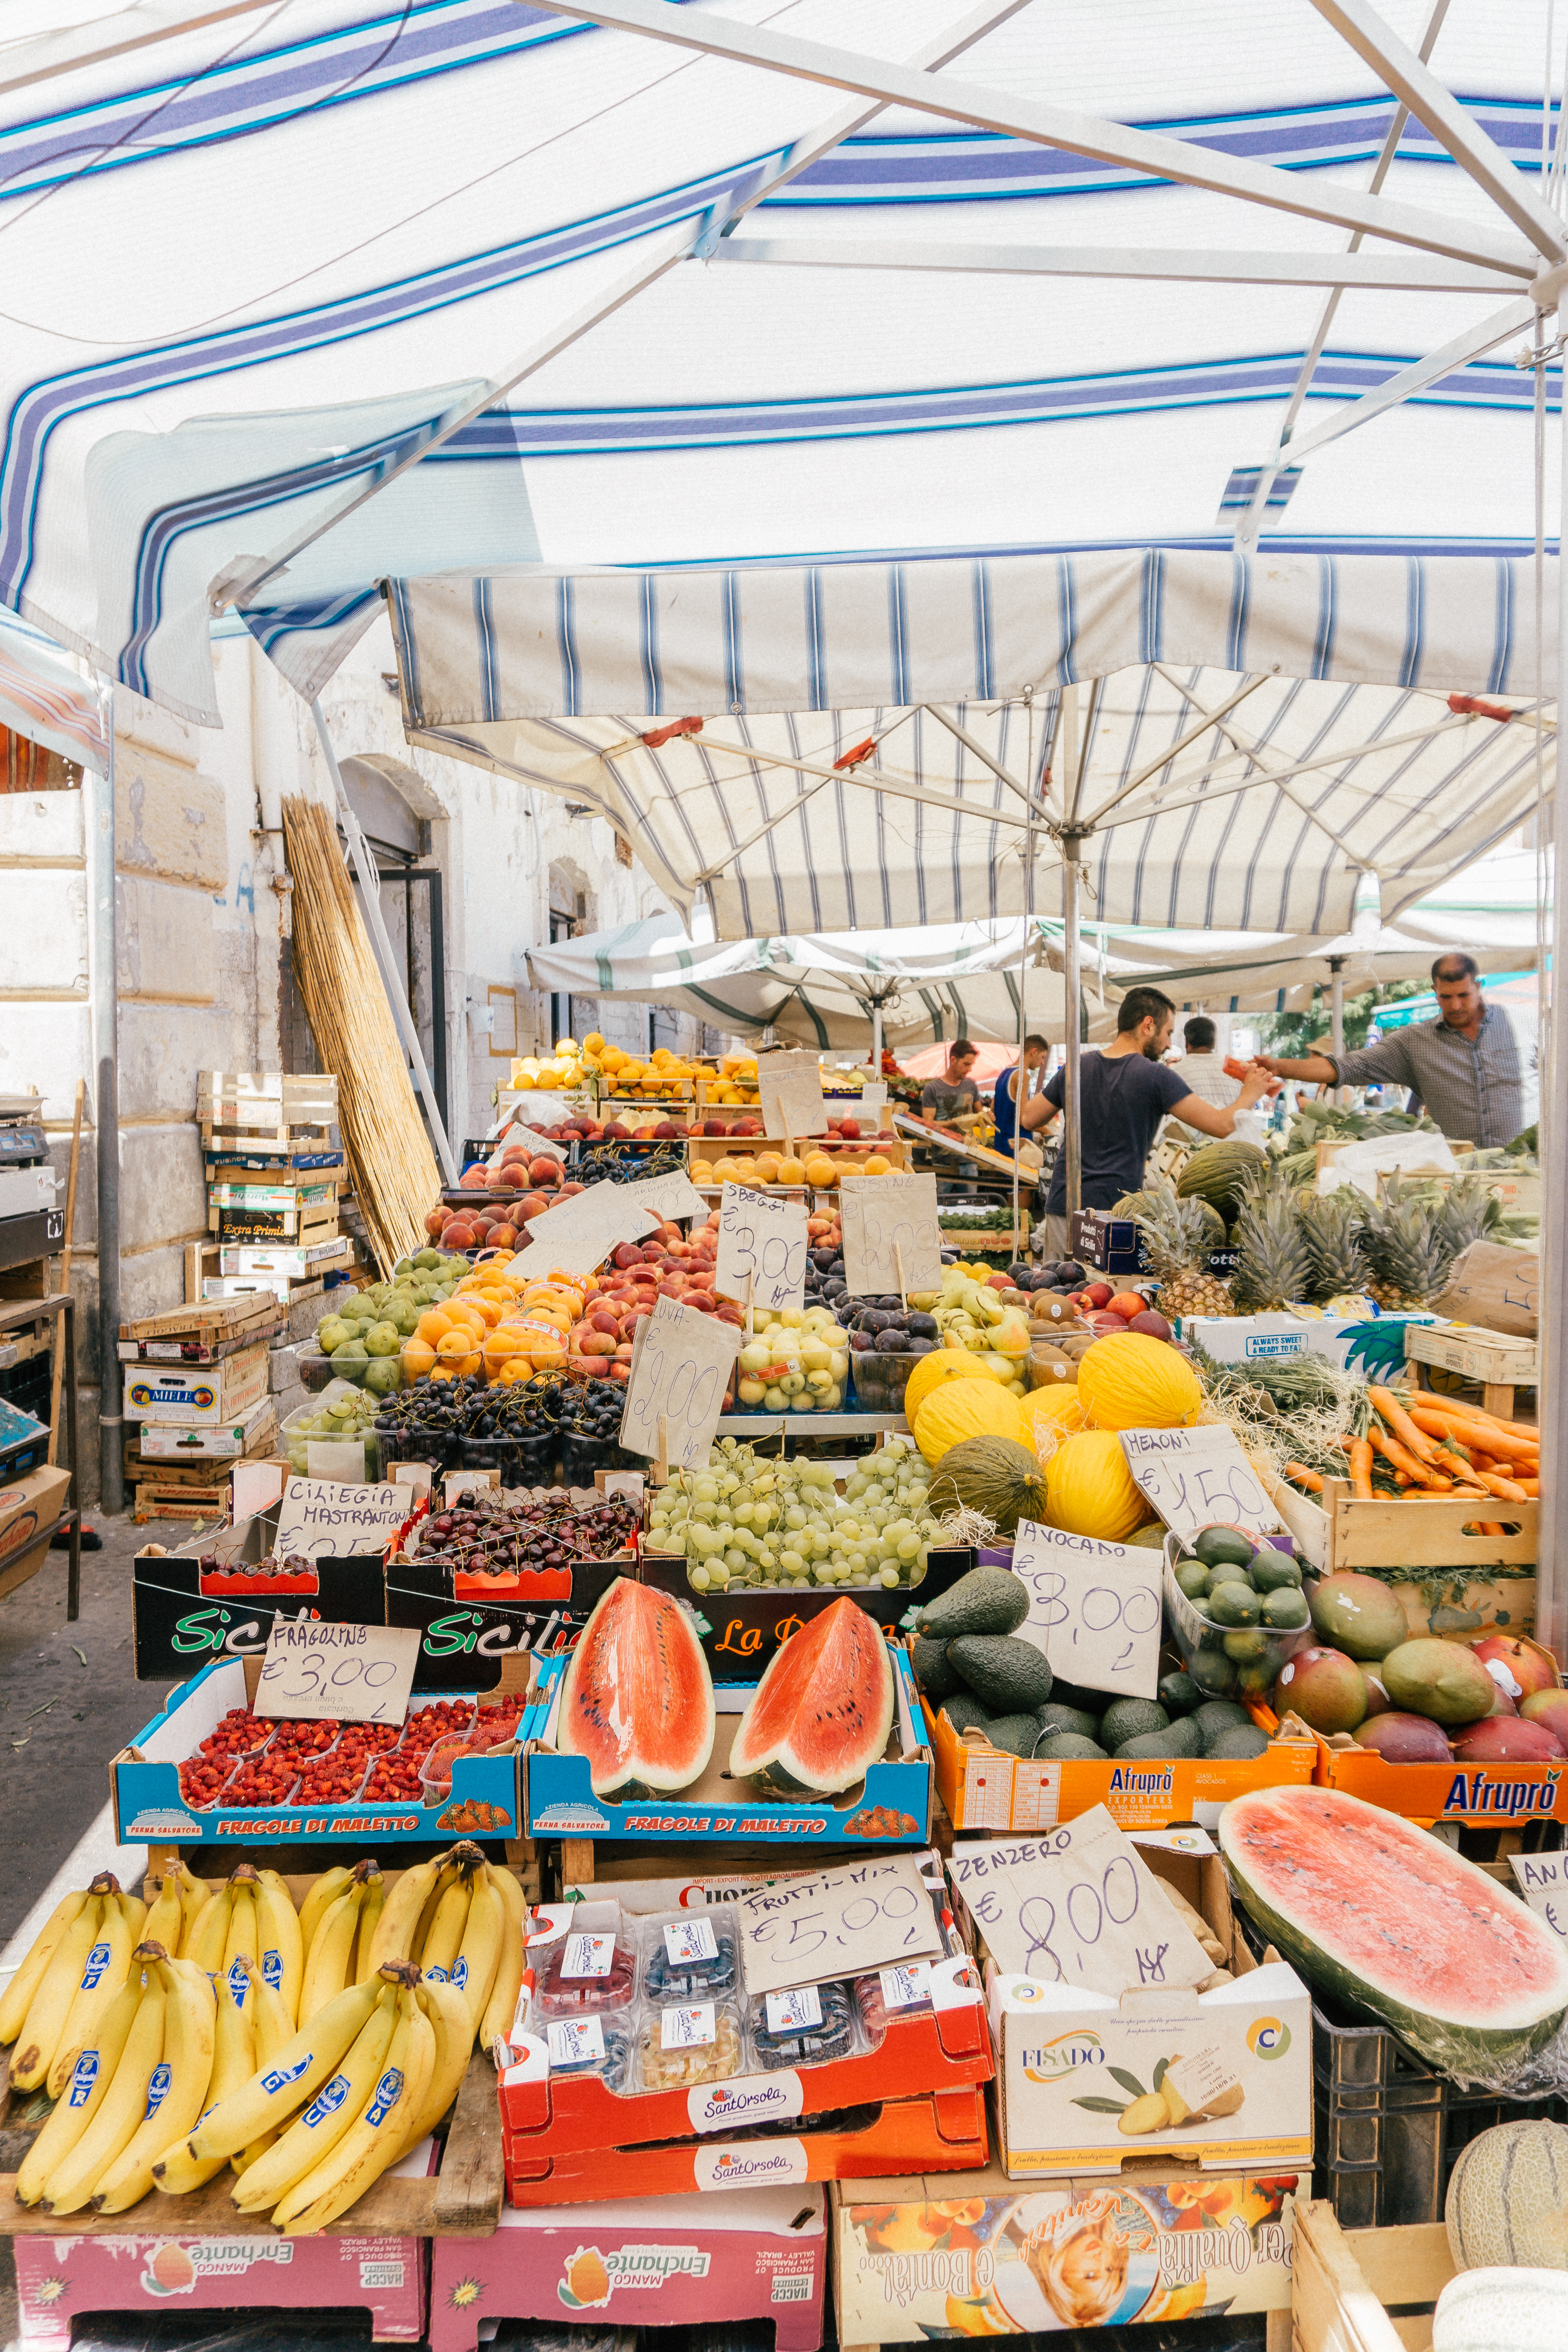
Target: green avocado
x=1222 y=1546
x=934 y=1674
x=1129 y=1718
x=1179 y=1738
x=1285 y=1608
x=1179 y=1695
x=986 y=1600
x=1233 y=1605
x=1212 y=1671
x=1239 y=1745
x=966 y=1714
x=1003 y=1672
x=1217 y=1715
x=1271 y=1571
x=1067 y=1747
x=1015 y=1735
x=1058 y=1717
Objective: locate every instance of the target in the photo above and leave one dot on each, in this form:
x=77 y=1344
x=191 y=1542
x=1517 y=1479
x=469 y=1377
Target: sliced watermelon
x=1395 y=1924
x=638 y=1700
x=821 y=1715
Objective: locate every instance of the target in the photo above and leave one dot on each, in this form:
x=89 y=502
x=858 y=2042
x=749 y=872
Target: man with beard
x=1124 y=1092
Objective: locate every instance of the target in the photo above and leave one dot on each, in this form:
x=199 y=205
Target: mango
x=1358 y=1615
x=1442 y=1680
x=1324 y=1688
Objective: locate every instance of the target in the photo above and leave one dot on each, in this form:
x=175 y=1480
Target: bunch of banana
x=251 y=1917
x=351 y=2092
x=461 y=1921
x=57 y=1996
x=141 y=2078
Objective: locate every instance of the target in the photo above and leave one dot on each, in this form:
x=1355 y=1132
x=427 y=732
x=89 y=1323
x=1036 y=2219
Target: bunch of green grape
x=344 y=1411
x=745 y=1521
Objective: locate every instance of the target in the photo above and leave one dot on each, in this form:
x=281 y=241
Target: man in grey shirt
x=1466 y=1066
x=954 y=1095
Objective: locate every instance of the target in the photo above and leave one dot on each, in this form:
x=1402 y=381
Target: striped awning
x=43 y=697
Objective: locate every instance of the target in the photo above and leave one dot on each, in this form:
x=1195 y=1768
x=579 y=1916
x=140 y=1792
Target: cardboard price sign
x=1094 y=1609
x=321 y=1519
x=1197 y=1476
x=1543 y=1883
x=680 y=1368
x=867 y=1915
x=1077 y=1907
x=540 y=1145
x=601 y=1214
x=891 y=1238
x=762 y=1243
x=671 y=1196
x=350 y=1674
x=789 y=1090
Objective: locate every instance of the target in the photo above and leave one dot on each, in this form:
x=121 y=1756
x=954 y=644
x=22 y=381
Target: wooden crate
x=1493 y=1361
x=1364 y=2290
x=1008 y=1243
x=1346 y=1530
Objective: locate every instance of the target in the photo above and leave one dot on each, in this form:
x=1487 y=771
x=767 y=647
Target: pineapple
x=1406 y=1250
x=1272 y=1262
x=1337 y=1271
x=1178 y=1236
x=1467 y=1213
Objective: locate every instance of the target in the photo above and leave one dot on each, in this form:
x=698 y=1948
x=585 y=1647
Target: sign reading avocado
x=1094 y=1609
x=1077 y=1907
x=1543 y=1883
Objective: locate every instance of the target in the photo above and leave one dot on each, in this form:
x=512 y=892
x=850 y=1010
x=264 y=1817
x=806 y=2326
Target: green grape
x=699 y=1577
x=735 y=1561
x=792 y=1564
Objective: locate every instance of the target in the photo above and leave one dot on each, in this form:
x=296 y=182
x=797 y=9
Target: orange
x=433 y=1325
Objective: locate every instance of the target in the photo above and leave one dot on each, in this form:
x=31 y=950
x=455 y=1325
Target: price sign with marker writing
x=348 y=1673
x=1197 y=1476
x=761 y=1249
x=865 y=1915
x=1543 y=1883
x=680 y=1368
x=1077 y=1907
x=1094 y=1609
x=891 y=1238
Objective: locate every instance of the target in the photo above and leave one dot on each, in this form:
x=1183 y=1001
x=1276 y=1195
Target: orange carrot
x=1506 y=1487
x=1528 y=1487
x=1300 y=1476
x=1361 y=1468
x=1414 y=1440
x=1489 y=1526
x=1492 y=1438
x=1401 y=1479
x=1394 y=1453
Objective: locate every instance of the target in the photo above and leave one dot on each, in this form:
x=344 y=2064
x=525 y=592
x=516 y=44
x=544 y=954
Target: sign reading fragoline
x=681 y=1363
x=761 y=1249
x=1197 y=1478
x=1094 y=1609
x=343 y=1674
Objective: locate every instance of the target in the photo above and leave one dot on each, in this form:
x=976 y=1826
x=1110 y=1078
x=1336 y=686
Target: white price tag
x=890 y=1225
x=1094 y=1609
x=874 y=1095
x=540 y=1145
x=791 y=2013
x=844 y=1922
x=763 y=1240
x=686 y=2029
x=322 y=1519
x=1077 y=1907
x=1197 y=1476
x=907 y=1988
x=681 y=1367
x=601 y=1214
x=672 y=1196
x=588 y=1956
x=789 y=1089
x=574 y=2040
x=345 y=1674
x=1543 y=1883
x=691 y=1939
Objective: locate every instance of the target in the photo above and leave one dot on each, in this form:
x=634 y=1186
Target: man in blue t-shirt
x=1037 y=1111
x=1124 y=1092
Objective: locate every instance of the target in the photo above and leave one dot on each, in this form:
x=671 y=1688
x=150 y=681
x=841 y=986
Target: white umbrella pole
x=877 y=1039
x=1551 y=1556
x=1072 y=973
x=1336 y=1006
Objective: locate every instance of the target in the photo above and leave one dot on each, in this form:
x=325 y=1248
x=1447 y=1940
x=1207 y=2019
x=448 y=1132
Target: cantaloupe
x=1132 y=1380
x=1508 y=2197
x=1090 y=1489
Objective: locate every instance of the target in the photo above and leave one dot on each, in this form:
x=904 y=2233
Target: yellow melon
x=1090 y=1489
x=961 y=1409
x=1130 y=1381
x=933 y=1371
x=1056 y=1409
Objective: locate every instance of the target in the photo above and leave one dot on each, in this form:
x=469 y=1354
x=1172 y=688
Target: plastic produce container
x=880 y=1380
x=1226 y=1661
x=518 y=1461
x=301 y=1430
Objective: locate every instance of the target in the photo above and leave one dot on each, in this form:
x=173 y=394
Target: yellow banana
x=278 y=2085
x=84 y=2095
x=186 y=2068
x=400 y=1914
x=193 y=1894
x=135 y=1912
x=208 y=1938
x=114 y=2126
x=447 y=2011
x=273 y=2025
x=165 y=1923
x=104 y=1970
x=280 y=1948
x=243 y=1934
x=444 y=1937
x=501 y=2007
x=29 y=1974
x=337 y=2105
x=474 y=1971
x=326 y=1889
x=327 y=1969
x=368 y=1921
x=372 y=2141
x=234 y=2058
x=448 y=1869
x=50 y=2005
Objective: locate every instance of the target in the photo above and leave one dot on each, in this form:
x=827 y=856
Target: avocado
x=1286 y=1607
x=1003 y=1672
x=1270 y=1570
x=1056 y=1717
x=1179 y=1738
x=966 y=1714
x=1179 y=1695
x=1212 y=1671
x=1217 y=1716
x=1192 y=1578
x=986 y=1600
x=1239 y=1745
x=1233 y=1605
x=1064 y=1746
x=934 y=1672
x=1015 y=1735
x=1129 y=1718
x=1226 y=1546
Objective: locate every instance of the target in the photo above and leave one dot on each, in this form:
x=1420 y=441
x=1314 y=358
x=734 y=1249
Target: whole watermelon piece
x=1397 y=1925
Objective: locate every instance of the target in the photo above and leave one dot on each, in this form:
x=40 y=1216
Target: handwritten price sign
x=601 y=1214
x=1094 y=1609
x=789 y=1091
x=1078 y=1907
x=1197 y=1476
x=865 y=1915
x=350 y=1674
x=671 y=1196
x=1543 y=1883
x=889 y=1223
x=680 y=1369
x=763 y=1240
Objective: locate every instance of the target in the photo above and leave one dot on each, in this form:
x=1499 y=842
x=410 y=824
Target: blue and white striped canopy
x=256 y=252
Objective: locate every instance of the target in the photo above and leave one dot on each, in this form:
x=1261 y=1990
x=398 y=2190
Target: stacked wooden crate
x=274 y=1185
x=196 y=1401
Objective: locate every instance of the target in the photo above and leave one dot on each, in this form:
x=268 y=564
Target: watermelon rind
x=1389 y=1920
x=636 y=1699
x=822 y=1713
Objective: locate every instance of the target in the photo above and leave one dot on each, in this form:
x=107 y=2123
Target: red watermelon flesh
x=1394 y=1923
x=821 y=1715
x=637 y=1698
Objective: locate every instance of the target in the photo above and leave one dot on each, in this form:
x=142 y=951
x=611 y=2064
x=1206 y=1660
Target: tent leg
x=876 y=1040
x=1551 y=1556
x=1336 y=1006
x=1072 y=989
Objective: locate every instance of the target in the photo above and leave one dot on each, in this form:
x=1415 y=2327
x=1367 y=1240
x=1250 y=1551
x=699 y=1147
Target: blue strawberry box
x=890 y=1807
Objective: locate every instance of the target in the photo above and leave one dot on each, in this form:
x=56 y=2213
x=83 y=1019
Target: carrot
x=1528 y=1487
x=1401 y=1479
x=1504 y=1486
x=1361 y=1468
x=1493 y=1437
x=1414 y=1440
x=1395 y=1453
x=1300 y=1476
x=1489 y=1526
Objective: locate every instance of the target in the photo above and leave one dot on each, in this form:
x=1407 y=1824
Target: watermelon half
x=821 y=1715
x=1394 y=1923
x=637 y=1698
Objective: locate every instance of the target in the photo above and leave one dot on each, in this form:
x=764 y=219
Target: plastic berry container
x=301 y=1736
x=607 y=2053
x=334 y=1779
x=807 y=2029
x=688 y=1956
x=682 y=2045
x=201 y=1780
x=394 y=1780
x=589 y=1972
x=262 y=1780
x=434 y=1722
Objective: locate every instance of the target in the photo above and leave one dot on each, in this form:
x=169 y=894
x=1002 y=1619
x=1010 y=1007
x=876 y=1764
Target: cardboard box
x=1370 y=1344
x=1058 y=2045
x=475 y=1635
x=29 y=1507
x=666 y=2261
x=24 y=1190
x=180 y=1397
x=893 y=1808
x=229 y=1442
x=1111 y=1245
x=144 y=1785
x=1484 y=1796
x=969 y=2255
x=283 y=1259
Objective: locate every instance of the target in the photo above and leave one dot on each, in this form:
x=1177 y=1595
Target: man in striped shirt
x=1465 y=1066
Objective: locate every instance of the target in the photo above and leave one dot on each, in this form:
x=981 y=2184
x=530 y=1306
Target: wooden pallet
x=193 y=1503
x=1468 y=1358
x=296 y=1137
x=1348 y=2284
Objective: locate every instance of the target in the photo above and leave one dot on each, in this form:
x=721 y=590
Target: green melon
x=994 y=1474
x=1218 y=1173
x=1507 y=2198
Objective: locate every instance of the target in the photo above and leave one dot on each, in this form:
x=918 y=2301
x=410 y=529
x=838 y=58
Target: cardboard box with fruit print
x=968 y=2254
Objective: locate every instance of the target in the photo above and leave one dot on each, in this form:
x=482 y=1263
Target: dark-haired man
x=1203 y=1067
x=954 y=1095
x=1012 y=1116
x=1124 y=1094
x=1466 y=1066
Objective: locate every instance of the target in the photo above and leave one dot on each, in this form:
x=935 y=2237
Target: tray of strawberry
x=202 y=1779
x=238 y=1733
x=434 y=1722
x=299 y=1737
x=331 y=1779
x=269 y=1778
x=394 y=1778
x=368 y=1739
